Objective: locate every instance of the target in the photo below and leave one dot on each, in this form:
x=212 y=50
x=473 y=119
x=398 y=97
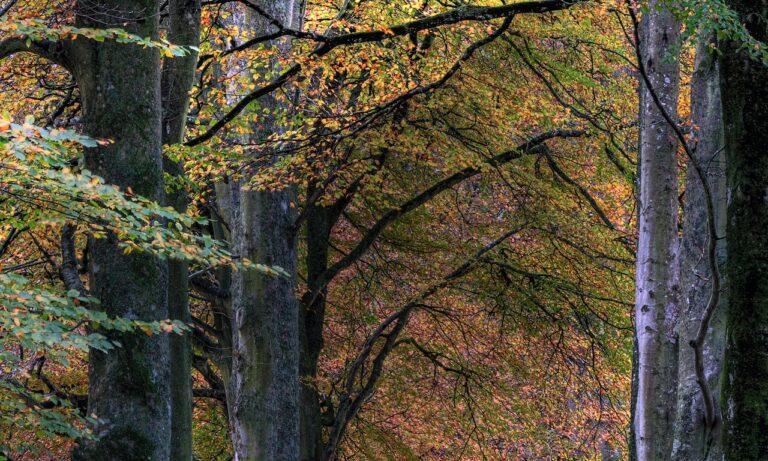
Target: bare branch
x=375 y=231
x=217 y=394
x=12 y=235
x=582 y=190
x=240 y=106
x=7 y=7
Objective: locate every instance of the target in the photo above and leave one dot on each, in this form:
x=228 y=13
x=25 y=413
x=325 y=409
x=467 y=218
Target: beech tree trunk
x=690 y=442
x=263 y=391
x=745 y=115
x=177 y=79
x=264 y=382
x=658 y=287
x=120 y=89
x=319 y=222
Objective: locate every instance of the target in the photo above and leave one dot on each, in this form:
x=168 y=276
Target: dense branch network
x=327 y=43
x=420 y=199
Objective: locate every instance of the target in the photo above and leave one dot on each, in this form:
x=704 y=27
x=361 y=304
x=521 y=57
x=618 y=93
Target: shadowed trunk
x=319 y=223
x=658 y=287
x=177 y=79
x=745 y=115
x=707 y=141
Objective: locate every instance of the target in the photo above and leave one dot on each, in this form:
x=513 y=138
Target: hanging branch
x=354 y=394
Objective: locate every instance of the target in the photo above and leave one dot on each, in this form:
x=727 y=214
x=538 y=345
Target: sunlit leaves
x=35 y=30
x=39 y=319
x=43 y=186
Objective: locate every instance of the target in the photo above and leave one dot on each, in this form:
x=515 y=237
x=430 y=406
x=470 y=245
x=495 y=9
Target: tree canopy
x=281 y=230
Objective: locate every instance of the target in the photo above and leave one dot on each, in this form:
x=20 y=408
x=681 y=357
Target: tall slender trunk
x=707 y=141
x=222 y=307
x=319 y=223
x=745 y=115
x=177 y=79
x=658 y=286
x=264 y=391
x=120 y=88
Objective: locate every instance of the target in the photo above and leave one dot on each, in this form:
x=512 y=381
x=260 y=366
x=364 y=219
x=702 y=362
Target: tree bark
x=691 y=435
x=318 y=229
x=264 y=390
x=120 y=88
x=745 y=115
x=177 y=79
x=179 y=72
x=264 y=382
x=657 y=278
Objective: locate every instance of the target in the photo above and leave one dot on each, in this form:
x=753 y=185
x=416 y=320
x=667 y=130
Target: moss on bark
x=120 y=88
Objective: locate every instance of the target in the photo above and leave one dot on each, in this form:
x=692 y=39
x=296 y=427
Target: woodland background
x=274 y=230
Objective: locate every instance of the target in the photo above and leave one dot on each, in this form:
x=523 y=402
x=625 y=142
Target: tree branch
x=7 y=7
x=240 y=106
x=48 y=49
x=457 y=15
x=582 y=190
x=216 y=394
x=12 y=235
x=68 y=270
x=375 y=231
x=328 y=42
x=351 y=401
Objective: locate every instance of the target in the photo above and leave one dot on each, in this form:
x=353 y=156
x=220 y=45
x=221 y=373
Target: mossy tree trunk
x=263 y=389
x=745 y=114
x=183 y=28
x=120 y=88
x=658 y=287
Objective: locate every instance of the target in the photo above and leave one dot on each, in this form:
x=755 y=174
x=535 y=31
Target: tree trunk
x=177 y=79
x=264 y=382
x=319 y=223
x=179 y=72
x=707 y=142
x=745 y=115
x=120 y=88
x=264 y=391
x=658 y=287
